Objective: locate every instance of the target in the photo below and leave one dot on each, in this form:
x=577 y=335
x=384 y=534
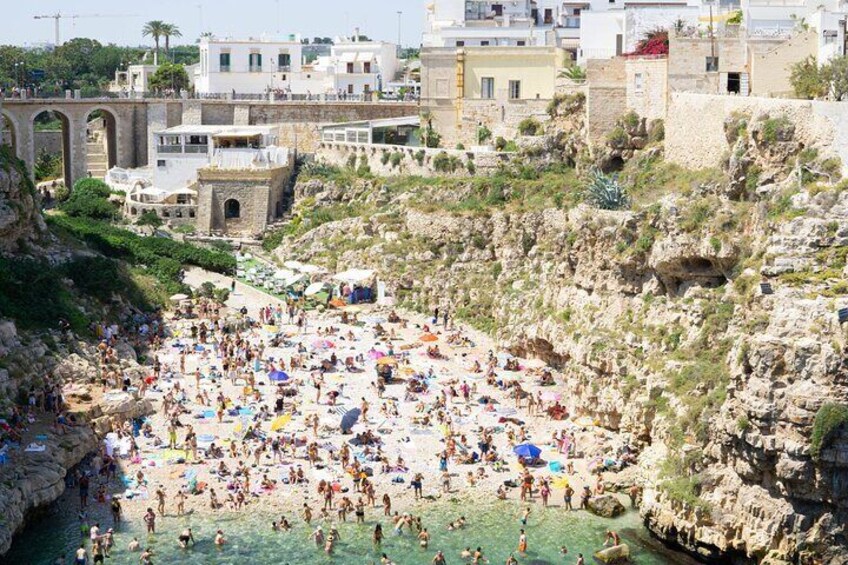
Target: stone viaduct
x=130 y=124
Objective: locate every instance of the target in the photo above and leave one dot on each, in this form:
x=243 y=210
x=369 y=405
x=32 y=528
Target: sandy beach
x=412 y=427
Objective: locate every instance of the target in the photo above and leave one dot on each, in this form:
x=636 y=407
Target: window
x=350 y=89
x=712 y=64
x=283 y=62
x=366 y=67
x=232 y=209
x=638 y=83
x=487 y=87
x=460 y=44
x=255 y=62
x=484 y=43
x=160 y=163
x=224 y=62
x=734 y=83
x=350 y=68
x=522 y=43
x=497 y=9
x=514 y=89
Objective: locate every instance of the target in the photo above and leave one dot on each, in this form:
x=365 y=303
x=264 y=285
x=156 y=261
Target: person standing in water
x=522 y=543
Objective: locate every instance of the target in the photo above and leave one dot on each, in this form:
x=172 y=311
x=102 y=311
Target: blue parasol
x=277 y=376
x=349 y=419
x=527 y=450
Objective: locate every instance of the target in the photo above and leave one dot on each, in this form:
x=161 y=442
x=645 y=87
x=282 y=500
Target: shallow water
x=494 y=527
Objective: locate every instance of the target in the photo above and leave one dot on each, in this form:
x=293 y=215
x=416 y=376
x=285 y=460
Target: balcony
x=225 y=68
x=197 y=149
x=255 y=68
x=169 y=149
x=571 y=22
x=284 y=68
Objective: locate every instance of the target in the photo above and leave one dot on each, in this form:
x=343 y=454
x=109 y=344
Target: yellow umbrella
x=280 y=422
x=407 y=371
x=353 y=309
x=428 y=338
x=387 y=360
x=560 y=482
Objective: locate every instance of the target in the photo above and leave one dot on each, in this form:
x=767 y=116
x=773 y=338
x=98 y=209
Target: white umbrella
x=354 y=275
x=293 y=279
x=179 y=297
x=294 y=265
x=283 y=274
x=314 y=288
x=311 y=269
x=252 y=270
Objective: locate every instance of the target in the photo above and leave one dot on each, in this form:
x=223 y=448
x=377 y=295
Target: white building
x=134 y=80
x=261 y=67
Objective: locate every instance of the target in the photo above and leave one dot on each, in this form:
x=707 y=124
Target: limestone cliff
x=20 y=219
x=658 y=320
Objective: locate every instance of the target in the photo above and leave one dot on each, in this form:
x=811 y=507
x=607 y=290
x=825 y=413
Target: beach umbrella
x=350 y=418
x=560 y=482
x=280 y=422
x=277 y=376
x=428 y=338
x=282 y=274
x=551 y=396
x=293 y=265
x=322 y=344
x=179 y=297
x=354 y=309
x=311 y=269
x=527 y=450
x=314 y=288
x=584 y=421
x=338 y=303
x=387 y=360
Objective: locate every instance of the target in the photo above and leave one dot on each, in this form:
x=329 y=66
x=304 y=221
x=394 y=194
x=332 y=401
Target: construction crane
x=59 y=16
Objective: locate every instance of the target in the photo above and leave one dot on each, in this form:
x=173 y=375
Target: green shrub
x=384 y=158
x=396 y=159
x=530 y=126
x=460 y=147
x=500 y=143
x=484 y=134
x=419 y=157
x=630 y=119
x=777 y=129
x=149 y=218
x=187 y=229
x=829 y=419
x=351 y=161
x=617 y=138
x=90 y=199
x=93 y=186
x=470 y=167
x=444 y=163
x=605 y=192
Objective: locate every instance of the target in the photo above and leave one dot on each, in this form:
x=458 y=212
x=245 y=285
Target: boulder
x=616 y=554
x=606 y=505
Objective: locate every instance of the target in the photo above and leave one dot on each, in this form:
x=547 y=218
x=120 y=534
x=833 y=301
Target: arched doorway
x=232 y=209
x=52 y=144
x=100 y=142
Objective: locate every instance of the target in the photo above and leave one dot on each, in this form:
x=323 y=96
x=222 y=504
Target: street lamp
x=400 y=13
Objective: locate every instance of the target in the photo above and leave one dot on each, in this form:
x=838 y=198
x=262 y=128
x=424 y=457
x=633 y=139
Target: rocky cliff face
x=659 y=324
x=20 y=219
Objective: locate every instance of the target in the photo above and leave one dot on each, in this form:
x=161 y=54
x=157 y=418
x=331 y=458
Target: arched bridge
x=128 y=124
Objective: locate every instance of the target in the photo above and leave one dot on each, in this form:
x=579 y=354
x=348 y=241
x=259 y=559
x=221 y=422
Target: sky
x=377 y=19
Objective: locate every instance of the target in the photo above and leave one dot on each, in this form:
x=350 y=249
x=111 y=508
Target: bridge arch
x=101 y=140
x=9 y=131
x=66 y=125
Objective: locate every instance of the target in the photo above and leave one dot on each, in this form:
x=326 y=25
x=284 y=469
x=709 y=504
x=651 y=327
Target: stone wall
x=687 y=70
x=49 y=141
x=823 y=125
x=646 y=83
x=770 y=64
x=606 y=96
x=340 y=154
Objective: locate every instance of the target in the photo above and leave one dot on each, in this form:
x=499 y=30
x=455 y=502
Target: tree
x=169 y=31
x=155 y=29
x=808 y=80
x=836 y=73
x=149 y=218
x=169 y=76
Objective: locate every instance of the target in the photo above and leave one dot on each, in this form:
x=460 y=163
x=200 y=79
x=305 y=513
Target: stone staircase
x=97 y=162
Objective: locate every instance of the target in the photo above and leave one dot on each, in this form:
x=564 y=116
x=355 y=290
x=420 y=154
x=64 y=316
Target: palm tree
x=169 y=31
x=154 y=29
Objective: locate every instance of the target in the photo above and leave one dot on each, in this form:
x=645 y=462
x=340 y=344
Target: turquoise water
x=494 y=527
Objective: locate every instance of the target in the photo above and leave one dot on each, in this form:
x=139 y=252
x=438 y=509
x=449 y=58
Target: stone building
x=240 y=203
x=497 y=87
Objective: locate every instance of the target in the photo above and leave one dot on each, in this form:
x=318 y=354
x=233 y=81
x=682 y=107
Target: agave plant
x=605 y=192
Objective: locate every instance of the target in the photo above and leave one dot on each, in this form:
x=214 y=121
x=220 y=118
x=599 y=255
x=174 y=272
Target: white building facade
x=257 y=67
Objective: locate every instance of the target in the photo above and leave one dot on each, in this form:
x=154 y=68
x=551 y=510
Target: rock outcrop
x=20 y=220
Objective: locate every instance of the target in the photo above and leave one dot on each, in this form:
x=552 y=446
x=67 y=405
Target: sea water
x=494 y=527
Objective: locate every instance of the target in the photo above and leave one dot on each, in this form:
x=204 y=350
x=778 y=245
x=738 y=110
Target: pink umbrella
x=551 y=396
x=375 y=354
x=323 y=344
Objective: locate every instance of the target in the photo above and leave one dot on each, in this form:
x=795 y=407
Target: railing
x=169 y=149
x=278 y=96
x=224 y=69
x=255 y=68
x=572 y=23
x=197 y=149
x=283 y=68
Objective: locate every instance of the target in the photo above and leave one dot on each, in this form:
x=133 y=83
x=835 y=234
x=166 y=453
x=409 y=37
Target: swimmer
x=424 y=538
x=133 y=545
x=612 y=536
x=185 y=537
x=219 y=538
x=439 y=559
